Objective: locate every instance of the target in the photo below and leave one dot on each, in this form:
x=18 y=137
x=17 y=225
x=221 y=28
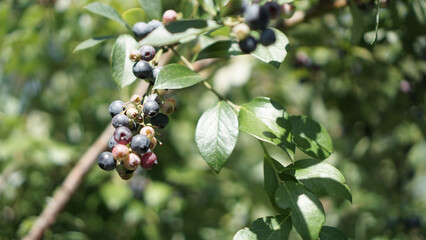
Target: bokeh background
x=54 y=104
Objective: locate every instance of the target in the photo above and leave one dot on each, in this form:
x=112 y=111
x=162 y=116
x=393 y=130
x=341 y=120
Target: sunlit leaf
x=153 y=8
x=91 y=42
x=176 y=76
x=275 y=53
x=106 y=11
x=121 y=66
x=134 y=15
x=267 y=228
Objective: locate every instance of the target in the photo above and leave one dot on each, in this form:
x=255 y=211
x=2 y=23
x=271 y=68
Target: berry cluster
x=257 y=18
x=142 y=68
x=134 y=140
x=142 y=29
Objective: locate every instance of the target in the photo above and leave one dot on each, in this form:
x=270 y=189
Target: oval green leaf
x=331 y=233
x=134 y=15
x=268 y=121
x=153 y=9
x=220 y=49
x=91 y=42
x=275 y=53
x=176 y=76
x=176 y=31
x=320 y=178
x=307 y=212
x=267 y=228
x=106 y=11
x=216 y=134
x=311 y=137
x=121 y=66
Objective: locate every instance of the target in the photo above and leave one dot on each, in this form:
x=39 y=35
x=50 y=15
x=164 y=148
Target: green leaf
x=216 y=134
x=134 y=15
x=275 y=53
x=176 y=76
x=331 y=233
x=208 y=6
x=177 y=31
x=311 y=137
x=268 y=121
x=105 y=11
x=271 y=180
x=307 y=212
x=320 y=177
x=153 y=9
x=121 y=66
x=357 y=29
x=267 y=228
x=220 y=49
x=91 y=42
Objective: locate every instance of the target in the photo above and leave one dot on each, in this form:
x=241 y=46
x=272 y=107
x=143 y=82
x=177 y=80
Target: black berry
x=267 y=37
x=160 y=121
x=248 y=45
x=274 y=9
x=106 y=161
x=122 y=135
x=120 y=120
x=140 y=144
x=151 y=108
x=116 y=107
x=141 y=29
x=154 y=97
x=147 y=52
x=257 y=17
x=142 y=69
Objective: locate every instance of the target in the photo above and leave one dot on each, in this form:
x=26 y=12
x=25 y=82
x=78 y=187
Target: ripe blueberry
x=160 y=120
x=169 y=16
x=248 y=45
x=122 y=135
x=133 y=162
x=273 y=8
x=120 y=120
x=148 y=160
x=112 y=143
x=140 y=144
x=256 y=16
x=140 y=29
x=241 y=30
x=148 y=131
x=267 y=37
x=116 y=107
x=154 y=97
x=151 y=108
x=147 y=52
x=142 y=69
x=106 y=161
x=153 y=24
x=120 y=152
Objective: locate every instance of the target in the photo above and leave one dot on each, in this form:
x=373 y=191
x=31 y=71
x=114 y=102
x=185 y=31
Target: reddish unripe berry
x=122 y=135
x=120 y=152
x=169 y=106
x=147 y=52
x=148 y=160
x=135 y=55
x=133 y=162
x=169 y=16
x=148 y=131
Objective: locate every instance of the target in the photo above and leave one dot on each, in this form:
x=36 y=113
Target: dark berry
x=169 y=16
x=154 y=97
x=155 y=72
x=142 y=69
x=116 y=107
x=112 y=143
x=122 y=135
x=140 y=144
x=133 y=162
x=120 y=152
x=267 y=37
x=151 y=108
x=248 y=45
x=106 y=161
x=140 y=29
x=148 y=160
x=256 y=16
x=147 y=52
x=153 y=24
x=120 y=120
x=160 y=121
x=273 y=8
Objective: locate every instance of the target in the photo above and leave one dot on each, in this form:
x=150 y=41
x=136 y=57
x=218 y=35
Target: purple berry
x=140 y=144
x=122 y=135
x=142 y=69
x=147 y=52
x=120 y=120
x=106 y=161
x=273 y=8
x=148 y=160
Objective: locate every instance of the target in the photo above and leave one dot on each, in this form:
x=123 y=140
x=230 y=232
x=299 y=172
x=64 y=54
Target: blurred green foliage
x=371 y=99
